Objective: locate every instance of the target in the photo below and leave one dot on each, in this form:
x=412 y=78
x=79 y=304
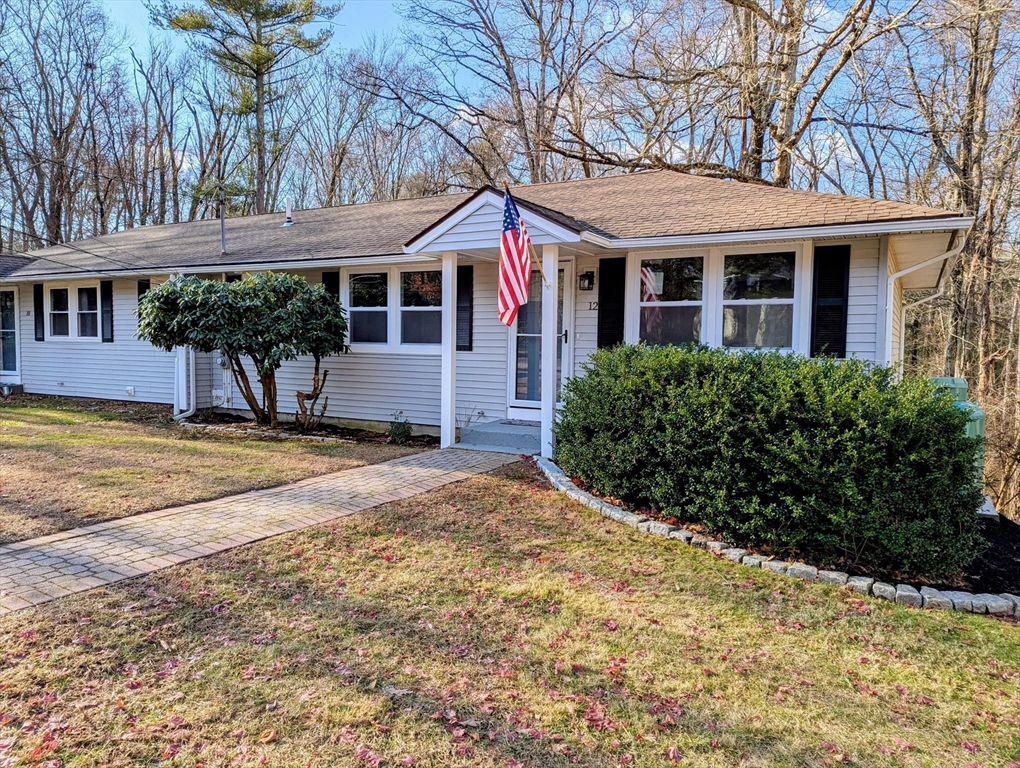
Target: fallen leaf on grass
x=268 y=736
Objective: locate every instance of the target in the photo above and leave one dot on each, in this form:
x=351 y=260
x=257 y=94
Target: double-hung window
x=758 y=300
x=396 y=308
x=369 y=312
x=88 y=313
x=59 y=312
x=672 y=296
x=74 y=313
x=421 y=307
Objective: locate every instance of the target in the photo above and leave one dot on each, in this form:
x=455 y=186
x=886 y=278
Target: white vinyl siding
x=586 y=316
x=66 y=366
x=897 y=324
x=862 y=306
x=483 y=226
x=482 y=372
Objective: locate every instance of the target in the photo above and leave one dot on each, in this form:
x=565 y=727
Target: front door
x=525 y=395
x=8 y=333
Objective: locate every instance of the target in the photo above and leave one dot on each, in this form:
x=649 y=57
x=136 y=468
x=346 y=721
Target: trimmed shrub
x=831 y=460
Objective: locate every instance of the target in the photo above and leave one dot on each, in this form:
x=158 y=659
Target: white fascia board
x=295 y=265
x=796 y=233
x=533 y=221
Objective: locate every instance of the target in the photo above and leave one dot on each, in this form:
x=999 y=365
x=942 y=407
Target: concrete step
x=515 y=436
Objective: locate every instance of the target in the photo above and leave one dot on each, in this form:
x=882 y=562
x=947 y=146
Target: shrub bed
x=832 y=461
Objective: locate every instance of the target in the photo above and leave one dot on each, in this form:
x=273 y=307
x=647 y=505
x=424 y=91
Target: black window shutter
x=143 y=286
x=40 y=312
x=612 y=294
x=831 y=293
x=106 y=309
x=465 y=307
x=331 y=282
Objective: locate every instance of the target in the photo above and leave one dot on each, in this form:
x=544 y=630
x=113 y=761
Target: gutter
x=941 y=288
x=793 y=233
x=337 y=262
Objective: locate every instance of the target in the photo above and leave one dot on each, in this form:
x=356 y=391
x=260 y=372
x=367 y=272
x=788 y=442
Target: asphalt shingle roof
x=647 y=204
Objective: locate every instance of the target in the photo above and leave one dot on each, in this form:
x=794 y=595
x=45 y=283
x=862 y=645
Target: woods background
x=912 y=101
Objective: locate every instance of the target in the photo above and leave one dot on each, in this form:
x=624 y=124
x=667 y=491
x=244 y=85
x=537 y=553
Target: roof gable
x=478 y=223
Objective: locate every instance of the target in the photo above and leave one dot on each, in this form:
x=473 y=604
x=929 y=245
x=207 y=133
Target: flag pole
x=534 y=253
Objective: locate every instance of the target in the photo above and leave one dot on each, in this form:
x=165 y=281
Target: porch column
x=448 y=366
x=550 y=344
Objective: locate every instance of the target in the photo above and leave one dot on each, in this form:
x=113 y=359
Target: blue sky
x=358 y=19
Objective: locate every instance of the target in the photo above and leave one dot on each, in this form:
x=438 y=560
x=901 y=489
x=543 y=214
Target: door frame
x=14 y=377
x=531 y=410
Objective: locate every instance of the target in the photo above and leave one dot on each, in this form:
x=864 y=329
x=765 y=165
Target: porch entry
x=525 y=363
x=8 y=333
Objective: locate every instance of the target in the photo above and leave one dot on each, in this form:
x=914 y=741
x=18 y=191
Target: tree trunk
x=260 y=141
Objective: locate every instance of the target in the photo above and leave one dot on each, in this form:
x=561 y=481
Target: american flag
x=514 y=263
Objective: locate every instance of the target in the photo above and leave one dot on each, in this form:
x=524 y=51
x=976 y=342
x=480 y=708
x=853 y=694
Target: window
x=80 y=312
x=8 y=318
x=88 y=312
x=421 y=301
x=671 y=300
x=59 y=325
x=369 y=305
x=758 y=300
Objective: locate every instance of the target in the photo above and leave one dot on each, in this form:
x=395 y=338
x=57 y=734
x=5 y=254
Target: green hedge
x=831 y=461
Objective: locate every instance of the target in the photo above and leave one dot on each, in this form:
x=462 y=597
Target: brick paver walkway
x=43 y=569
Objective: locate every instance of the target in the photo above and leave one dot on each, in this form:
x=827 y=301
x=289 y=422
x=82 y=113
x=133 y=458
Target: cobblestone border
x=263 y=433
x=904 y=594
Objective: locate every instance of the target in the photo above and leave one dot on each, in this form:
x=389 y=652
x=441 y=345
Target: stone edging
x=964 y=602
x=261 y=433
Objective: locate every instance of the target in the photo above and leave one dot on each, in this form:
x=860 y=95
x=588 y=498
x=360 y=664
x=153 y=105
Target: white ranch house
x=655 y=256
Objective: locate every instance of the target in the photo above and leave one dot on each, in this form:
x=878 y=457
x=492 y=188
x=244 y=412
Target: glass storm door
x=526 y=342
x=8 y=333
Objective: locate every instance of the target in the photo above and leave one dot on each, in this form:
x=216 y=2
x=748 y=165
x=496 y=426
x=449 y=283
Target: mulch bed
x=290 y=429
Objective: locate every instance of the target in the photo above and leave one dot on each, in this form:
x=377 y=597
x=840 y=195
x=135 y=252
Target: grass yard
x=492 y=623
x=65 y=463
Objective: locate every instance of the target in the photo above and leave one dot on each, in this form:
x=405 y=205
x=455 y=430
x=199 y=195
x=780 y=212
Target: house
x=656 y=256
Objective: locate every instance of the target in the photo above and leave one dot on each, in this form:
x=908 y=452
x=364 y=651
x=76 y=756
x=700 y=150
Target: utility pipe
x=890 y=286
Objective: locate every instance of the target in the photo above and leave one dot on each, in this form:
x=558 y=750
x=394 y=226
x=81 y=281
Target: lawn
x=66 y=462
x=494 y=623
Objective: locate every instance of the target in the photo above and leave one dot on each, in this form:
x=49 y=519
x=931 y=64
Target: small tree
x=268 y=317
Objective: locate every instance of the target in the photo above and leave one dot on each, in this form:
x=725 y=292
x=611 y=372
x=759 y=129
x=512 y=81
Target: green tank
x=976 y=425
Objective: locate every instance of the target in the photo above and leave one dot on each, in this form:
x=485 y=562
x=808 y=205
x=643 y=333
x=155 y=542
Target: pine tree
x=254 y=41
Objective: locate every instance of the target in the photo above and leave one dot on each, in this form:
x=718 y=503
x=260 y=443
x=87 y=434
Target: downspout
x=192 y=404
x=891 y=284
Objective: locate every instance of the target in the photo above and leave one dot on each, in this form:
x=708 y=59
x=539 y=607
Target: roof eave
x=863 y=229
x=262 y=266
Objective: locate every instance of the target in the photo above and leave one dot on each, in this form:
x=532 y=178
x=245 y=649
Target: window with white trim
x=396 y=309
x=88 y=313
x=60 y=312
x=672 y=299
x=369 y=308
x=74 y=312
x=758 y=297
x=421 y=307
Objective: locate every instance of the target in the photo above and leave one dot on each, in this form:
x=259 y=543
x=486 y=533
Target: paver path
x=42 y=569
